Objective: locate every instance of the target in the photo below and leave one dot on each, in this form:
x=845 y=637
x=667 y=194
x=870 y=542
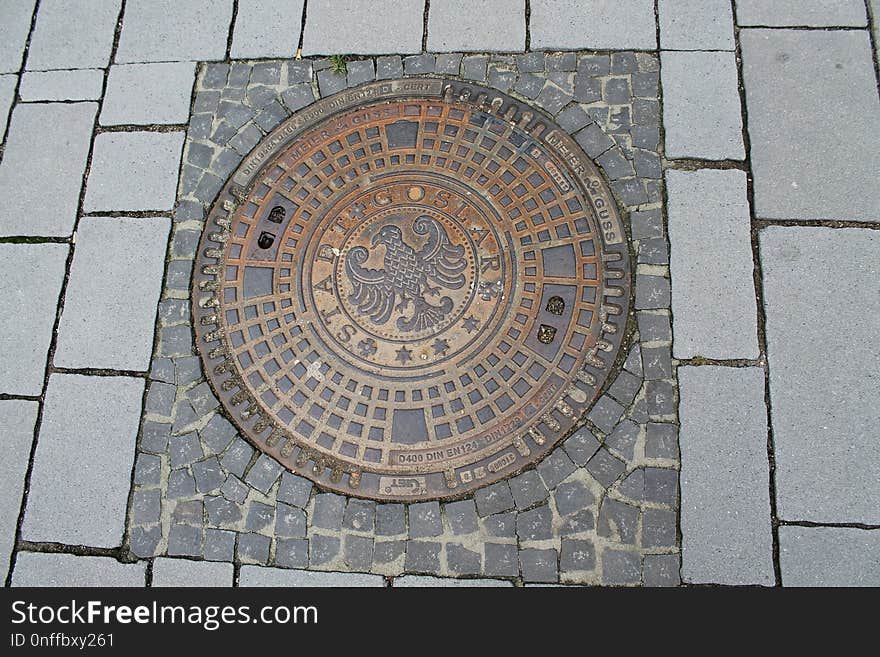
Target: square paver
x=17 y=420
x=80 y=84
x=363 y=27
x=134 y=171
x=167 y=30
x=30 y=279
x=460 y=26
x=45 y=157
x=253 y=576
x=143 y=94
x=794 y=13
x=15 y=23
x=725 y=501
x=574 y=24
x=822 y=302
x=265 y=28
x=82 y=465
x=679 y=20
x=701 y=105
x=73 y=34
x=110 y=305
x=186 y=573
x=814 y=124
x=713 y=293
x=829 y=556
x=71 y=570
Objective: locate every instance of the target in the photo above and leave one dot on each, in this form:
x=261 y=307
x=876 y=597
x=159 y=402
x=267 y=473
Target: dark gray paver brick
x=184 y=449
x=146 y=506
x=535 y=524
x=390 y=66
x=578 y=523
x=322 y=549
x=180 y=484
x=659 y=528
x=219 y=545
x=494 y=499
x=237 y=457
x=147 y=470
x=217 y=434
x=264 y=473
x=605 y=467
x=294 y=489
x=618 y=519
x=259 y=517
x=555 y=468
x=360 y=72
x=234 y=489
x=425 y=520
x=357 y=552
x=527 y=489
x=145 y=540
x=185 y=541
x=385 y=552
x=189 y=512
x=208 y=474
x=292 y=553
x=328 y=512
x=462 y=516
x=253 y=548
x=605 y=413
x=619 y=567
x=360 y=515
x=501 y=525
x=461 y=560
x=577 y=555
x=581 y=446
x=661 y=570
x=539 y=565
x=422 y=557
x=661 y=441
x=390 y=519
x=501 y=560
x=572 y=497
x=221 y=511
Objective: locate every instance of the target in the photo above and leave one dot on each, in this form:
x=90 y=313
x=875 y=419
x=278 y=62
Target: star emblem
x=404 y=354
x=470 y=324
x=440 y=347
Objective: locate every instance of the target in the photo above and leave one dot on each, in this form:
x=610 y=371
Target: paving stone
x=425 y=581
x=593 y=140
x=180 y=484
x=501 y=80
x=165 y=30
x=570 y=25
x=219 y=545
x=116 y=260
x=264 y=473
x=625 y=387
x=447 y=64
x=623 y=439
x=294 y=490
x=552 y=99
x=573 y=118
x=144 y=541
x=144 y=94
x=217 y=434
x=653 y=252
x=290 y=522
x=605 y=413
x=32 y=275
x=619 y=567
x=618 y=520
x=134 y=171
x=186 y=573
x=222 y=511
x=83 y=84
x=146 y=507
x=793 y=81
x=328 y=512
x=814 y=13
x=418 y=64
x=660 y=396
x=661 y=570
x=581 y=446
x=330 y=82
x=572 y=497
x=576 y=555
x=357 y=552
x=184 y=419
x=73 y=34
x=633 y=361
x=493 y=499
x=555 y=468
x=190 y=512
x=678 y=19
x=298 y=96
x=202 y=398
x=651 y=292
x=243 y=142
x=189 y=370
x=578 y=523
x=825 y=434
x=234 y=489
x=501 y=560
x=208 y=474
x=47 y=179
x=15 y=24
x=587 y=90
x=184 y=450
x=425 y=520
x=535 y=524
x=360 y=72
x=82 y=465
x=292 y=553
x=266 y=29
x=237 y=457
x=422 y=557
x=474 y=67
x=456 y=26
x=701 y=105
x=605 y=468
x=69 y=570
x=661 y=486
x=385 y=552
x=253 y=576
x=361 y=27
x=185 y=541
x=17 y=421
x=502 y=525
x=539 y=565
x=829 y=556
x=527 y=490
x=390 y=66
x=661 y=441
x=462 y=561
x=659 y=528
x=711 y=264
x=259 y=517
x=147 y=470
x=725 y=514
x=529 y=85
x=654 y=327
x=462 y=516
x=253 y=548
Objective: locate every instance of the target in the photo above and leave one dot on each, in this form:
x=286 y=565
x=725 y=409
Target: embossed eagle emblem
x=407 y=276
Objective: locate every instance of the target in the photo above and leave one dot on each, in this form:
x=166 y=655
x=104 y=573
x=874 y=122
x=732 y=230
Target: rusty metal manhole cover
x=411 y=289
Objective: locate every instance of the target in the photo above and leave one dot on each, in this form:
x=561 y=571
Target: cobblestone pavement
x=737 y=444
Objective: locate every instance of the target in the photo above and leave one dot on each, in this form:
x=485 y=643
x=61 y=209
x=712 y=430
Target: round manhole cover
x=411 y=289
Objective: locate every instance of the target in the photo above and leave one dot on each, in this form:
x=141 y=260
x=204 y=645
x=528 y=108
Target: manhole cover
x=411 y=289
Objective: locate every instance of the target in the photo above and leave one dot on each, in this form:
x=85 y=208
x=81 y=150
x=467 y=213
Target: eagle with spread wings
x=408 y=275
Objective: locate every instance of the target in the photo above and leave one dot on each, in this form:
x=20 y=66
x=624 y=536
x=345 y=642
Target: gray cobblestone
x=185 y=541
x=462 y=516
x=385 y=552
x=357 y=552
x=260 y=516
x=618 y=520
x=578 y=523
x=389 y=67
x=605 y=413
x=390 y=519
x=502 y=525
x=577 y=555
x=619 y=567
x=448 y=64
x=292 y=552
x=661 y=398
x=234 y=489
x=555 y=468
x=329 y=510
x=605 y=467
x=501 y=560
x=219 y=545
x=145 y=507
x=294 y=490
x=180 y=484
x=581 y=446
x=360 y=72
x=661 y=570
x=623 y=439
x=147 y=470
x=425 y=520
x=527 y=489
x=494 y=499
x=461 y=560
x=145 y=540
x=572 y=497
x=360 y=515
x=535 y=524
x=422 y=557
x=322 y=549
x=184 y=449
x=221 y=511
x=253 y=548
x=237 y=457
x=418 y=64
x=661 y=441
x=539 y=565
x=189 y=512
x=264 y=473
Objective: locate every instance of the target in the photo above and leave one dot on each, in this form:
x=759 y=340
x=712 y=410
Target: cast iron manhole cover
x=411 y=289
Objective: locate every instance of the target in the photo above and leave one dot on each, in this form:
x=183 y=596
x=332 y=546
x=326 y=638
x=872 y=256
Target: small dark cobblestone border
x=602 y=508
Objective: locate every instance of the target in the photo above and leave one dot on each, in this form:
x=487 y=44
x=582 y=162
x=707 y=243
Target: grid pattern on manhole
x=411 y=290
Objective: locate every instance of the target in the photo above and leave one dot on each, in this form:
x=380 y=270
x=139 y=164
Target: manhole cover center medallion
x=411 y=289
